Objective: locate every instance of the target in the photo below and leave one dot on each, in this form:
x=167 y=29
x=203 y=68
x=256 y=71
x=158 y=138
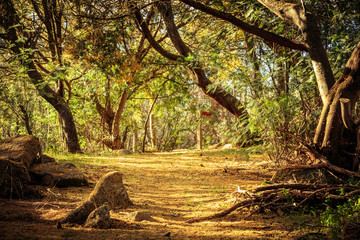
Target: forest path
x=172 y=187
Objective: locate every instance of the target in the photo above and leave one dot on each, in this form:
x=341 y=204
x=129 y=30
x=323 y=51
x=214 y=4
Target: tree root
x=223 y=213
x=287 y=196
x=294 y=196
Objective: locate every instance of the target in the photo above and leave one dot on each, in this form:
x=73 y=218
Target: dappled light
x=179 y=119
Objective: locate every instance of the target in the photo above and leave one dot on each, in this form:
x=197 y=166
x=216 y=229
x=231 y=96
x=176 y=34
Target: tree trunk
x=116 y=138
x=135 y=141
x=62 y=108
x=255 y=78
x=106 y=114
x=9 y=20
x=153 y=132
x=124 y=138
x=334 y=135
x=199 y=133
x=26 y=119
x=148 y=117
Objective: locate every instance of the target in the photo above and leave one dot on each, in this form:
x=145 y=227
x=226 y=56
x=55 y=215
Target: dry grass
x=172 y=187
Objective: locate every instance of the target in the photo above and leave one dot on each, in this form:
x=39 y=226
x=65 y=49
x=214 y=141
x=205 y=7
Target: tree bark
x=330 y=135
x=116 y=123
x=65 y=114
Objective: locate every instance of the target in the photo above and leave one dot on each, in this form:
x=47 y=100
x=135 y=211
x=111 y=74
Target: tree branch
x=266 y=35
x=151 y=39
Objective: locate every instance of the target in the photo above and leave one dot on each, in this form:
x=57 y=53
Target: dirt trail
x=172 y=187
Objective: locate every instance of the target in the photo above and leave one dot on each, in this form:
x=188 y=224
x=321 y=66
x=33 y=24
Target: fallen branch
x=326 y=164
x=273 y=197
x=223 y=213
x=316 y=157
x=289 y=186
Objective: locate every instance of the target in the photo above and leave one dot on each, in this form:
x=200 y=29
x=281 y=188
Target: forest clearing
x=212 y=119
x=172 y=186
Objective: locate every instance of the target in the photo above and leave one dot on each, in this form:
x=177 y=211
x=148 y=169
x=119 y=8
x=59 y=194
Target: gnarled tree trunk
x=337 y=134
x=62 y=108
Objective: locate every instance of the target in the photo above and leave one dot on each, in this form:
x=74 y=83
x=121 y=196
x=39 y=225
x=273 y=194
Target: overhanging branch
x=266 y=35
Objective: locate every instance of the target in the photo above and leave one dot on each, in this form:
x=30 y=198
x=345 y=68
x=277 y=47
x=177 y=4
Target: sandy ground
x=171 y=187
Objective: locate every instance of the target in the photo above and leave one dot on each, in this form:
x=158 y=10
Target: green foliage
x=336 y=217
x=218 y=190
x=103 y=57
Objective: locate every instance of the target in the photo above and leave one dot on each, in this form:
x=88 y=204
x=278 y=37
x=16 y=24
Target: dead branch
x=274 y=197
x=223 y=213
x=316 y=157
x=289 y=186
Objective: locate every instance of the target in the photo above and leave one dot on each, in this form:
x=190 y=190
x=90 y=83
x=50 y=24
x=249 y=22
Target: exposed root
x=288 y=196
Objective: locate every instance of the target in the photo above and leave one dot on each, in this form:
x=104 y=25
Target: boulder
x=140 y=216
x=25 y=149
x=55 y=174
x=47 y=159
x=109 y=190
x=16 y=156
x=79 y=214
x=99 y=218
x=14 y=178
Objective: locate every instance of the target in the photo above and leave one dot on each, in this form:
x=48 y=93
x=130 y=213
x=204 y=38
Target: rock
x=99 y=218
x=140 y=216
x=79 y=214
x=47 y=159
x=55 y=174
x=16 y=156
x=110 y=190
x=14 y=178
x=69 y=165
x=25 y=149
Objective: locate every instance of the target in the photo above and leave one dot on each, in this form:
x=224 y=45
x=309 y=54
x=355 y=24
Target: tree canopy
x=125 y=74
